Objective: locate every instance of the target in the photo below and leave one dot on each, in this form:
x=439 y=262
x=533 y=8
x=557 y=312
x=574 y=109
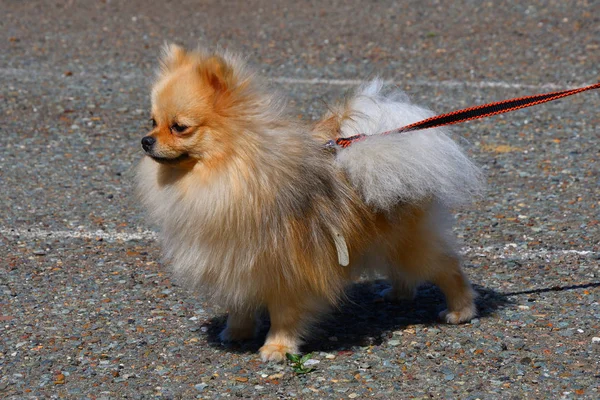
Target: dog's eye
x=178 y=128
x=153 y=122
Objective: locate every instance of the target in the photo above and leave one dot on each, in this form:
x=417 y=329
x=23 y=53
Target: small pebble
x=60 y=379
x=201 y=386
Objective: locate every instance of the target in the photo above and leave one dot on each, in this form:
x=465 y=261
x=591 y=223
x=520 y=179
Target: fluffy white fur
x=406 y=167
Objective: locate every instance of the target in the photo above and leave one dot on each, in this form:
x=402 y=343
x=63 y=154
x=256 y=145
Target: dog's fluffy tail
x=409 y=167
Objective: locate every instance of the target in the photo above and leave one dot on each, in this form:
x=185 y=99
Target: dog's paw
x=275 y=352
x=460 y=316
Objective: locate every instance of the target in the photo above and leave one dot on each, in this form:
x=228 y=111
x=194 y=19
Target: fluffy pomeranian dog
x=254 y=210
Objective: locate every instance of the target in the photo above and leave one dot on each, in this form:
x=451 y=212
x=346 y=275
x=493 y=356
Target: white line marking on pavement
x=35 y=233
x=505 y=251
x=511 y=251
x=447 y=83
x=42 y=75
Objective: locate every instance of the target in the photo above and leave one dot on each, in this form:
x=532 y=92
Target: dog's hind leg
x=424 y=251
x=455 y=286
x=401 y=288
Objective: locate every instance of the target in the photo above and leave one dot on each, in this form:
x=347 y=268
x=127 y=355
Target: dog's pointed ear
x=217 y=73
x=173 y=56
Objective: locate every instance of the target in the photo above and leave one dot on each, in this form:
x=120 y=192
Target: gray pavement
x=87 y=310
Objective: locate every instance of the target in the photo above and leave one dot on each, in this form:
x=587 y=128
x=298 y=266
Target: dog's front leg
x=290 y=319
x=241 y=325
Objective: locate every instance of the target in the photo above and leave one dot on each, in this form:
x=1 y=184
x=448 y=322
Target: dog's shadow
x=365 y=318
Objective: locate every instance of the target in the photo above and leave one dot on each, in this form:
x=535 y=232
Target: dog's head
x=193 y=100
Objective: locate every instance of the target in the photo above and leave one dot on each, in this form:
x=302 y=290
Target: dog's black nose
x=148 y=142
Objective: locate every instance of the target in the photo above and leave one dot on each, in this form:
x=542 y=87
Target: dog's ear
x=217 y=73
x=173 y=56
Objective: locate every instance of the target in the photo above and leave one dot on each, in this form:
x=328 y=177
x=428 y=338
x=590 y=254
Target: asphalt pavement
x=87 y=309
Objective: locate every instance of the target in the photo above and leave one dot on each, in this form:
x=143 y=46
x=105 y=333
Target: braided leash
x=468 y=114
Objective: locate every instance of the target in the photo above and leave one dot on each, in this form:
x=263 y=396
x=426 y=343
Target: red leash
x=468 y=114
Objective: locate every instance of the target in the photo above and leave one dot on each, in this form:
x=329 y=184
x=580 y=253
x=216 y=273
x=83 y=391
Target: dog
x=258 y=214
